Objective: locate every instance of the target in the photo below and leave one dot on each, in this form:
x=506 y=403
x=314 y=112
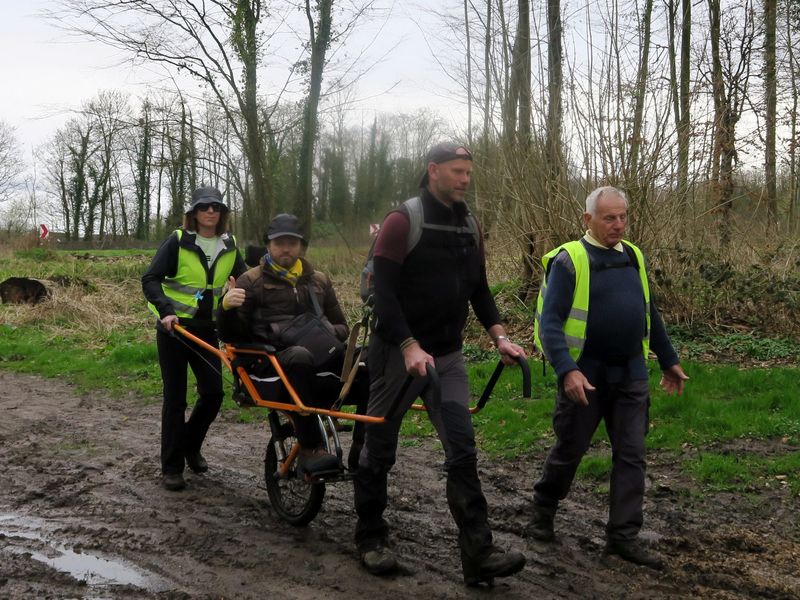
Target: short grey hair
x=594 y=196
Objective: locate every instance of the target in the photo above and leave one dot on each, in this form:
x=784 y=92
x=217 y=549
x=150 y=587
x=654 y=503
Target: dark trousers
x=624 y=408
x=453 y=423
x=179 y=436
x=316 y=387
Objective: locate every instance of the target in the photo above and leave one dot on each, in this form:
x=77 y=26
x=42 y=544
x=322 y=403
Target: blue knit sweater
x=616 y=324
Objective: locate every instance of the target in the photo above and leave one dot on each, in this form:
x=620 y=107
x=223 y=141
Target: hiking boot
x=541 y=525
x=173 y=482
x=633 y=551
x=196 y=462
x=316 y=462
x=379 y=560
x=495 y=563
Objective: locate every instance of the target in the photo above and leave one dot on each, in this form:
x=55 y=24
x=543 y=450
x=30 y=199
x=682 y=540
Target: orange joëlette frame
x=231 y=352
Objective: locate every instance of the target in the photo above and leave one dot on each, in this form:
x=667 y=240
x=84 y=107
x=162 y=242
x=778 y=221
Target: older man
x=596 y=324
x=422 y=296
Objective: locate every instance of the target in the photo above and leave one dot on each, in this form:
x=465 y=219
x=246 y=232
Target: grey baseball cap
x=444 y=152
x=284 y=224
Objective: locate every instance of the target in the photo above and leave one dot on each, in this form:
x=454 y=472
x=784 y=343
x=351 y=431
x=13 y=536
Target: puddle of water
x=82 y=566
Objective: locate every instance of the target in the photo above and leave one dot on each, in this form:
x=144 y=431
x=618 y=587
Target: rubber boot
x=481 y=561
x=541 y=525
x=370 y=498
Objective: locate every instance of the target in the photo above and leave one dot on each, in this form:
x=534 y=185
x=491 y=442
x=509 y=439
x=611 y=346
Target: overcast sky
x=46 y=73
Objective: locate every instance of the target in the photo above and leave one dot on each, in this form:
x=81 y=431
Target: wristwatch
x=498 y=338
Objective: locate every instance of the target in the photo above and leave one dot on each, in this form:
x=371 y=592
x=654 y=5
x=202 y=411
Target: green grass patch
x=596 y=466
x=742 y=472
x=724 y=403
x=78 y=267
x=119 y=363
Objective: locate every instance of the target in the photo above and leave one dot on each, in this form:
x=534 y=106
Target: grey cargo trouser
x=453 y=423
x=624 y=408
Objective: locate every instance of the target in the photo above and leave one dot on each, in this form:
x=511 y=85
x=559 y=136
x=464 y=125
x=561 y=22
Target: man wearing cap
x=422 y=299
x=596 y=324
x=183 y=284
x=272 y=294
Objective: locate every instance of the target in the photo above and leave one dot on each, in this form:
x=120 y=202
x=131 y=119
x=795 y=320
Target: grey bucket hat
x=206 y=195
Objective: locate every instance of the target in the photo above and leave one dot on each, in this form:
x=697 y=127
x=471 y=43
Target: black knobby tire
x=294 y=499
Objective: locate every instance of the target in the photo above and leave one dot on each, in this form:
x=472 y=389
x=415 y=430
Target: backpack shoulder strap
x=416 y=218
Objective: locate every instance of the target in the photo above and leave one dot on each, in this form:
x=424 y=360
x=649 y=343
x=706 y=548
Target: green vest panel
x=186 y=289
x=575 y=325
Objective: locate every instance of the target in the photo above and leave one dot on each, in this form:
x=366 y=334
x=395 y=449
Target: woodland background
x=690 y=107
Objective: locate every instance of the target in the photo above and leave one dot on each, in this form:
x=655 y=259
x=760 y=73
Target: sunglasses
x=214 y=206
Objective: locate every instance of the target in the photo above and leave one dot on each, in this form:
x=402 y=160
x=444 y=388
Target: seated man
x=260 y=307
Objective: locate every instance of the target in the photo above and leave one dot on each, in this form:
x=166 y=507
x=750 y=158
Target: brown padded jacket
x=271 y=303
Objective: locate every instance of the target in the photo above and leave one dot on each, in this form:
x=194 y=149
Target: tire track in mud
x=87 y=468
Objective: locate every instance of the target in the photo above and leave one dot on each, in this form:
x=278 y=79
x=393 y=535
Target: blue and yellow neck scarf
x=290 y=275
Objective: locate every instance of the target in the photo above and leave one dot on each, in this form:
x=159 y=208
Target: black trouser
x=453 y=423
x=624 y=408
x=179 y=436
x=316 y=387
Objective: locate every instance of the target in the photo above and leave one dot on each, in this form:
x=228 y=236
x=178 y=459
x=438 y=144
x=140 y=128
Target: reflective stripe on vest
x=575 y=325
x=183 y=290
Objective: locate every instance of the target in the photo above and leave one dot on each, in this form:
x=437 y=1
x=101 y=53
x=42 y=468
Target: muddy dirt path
x=82 y=516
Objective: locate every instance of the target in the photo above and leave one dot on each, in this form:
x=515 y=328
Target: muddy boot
x=495 y=563
x=468 y=507
x=196 y=462
x=633 y=551
x=316 y=462
x=173 y=482
x=379 y=559
x=541 y=525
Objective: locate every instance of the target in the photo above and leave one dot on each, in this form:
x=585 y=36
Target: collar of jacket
x=440 y=212
x=189 y=240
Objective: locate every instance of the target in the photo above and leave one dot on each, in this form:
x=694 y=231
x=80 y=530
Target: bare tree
x=770 y=85
x=11 y=164
x=320 y=38
x=732 y=44
x=215 y=41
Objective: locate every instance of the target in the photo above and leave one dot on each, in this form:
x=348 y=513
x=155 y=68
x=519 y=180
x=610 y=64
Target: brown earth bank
x=82 y=516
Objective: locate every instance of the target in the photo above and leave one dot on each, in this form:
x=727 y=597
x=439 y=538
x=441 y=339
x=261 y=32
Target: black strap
x=314 y=302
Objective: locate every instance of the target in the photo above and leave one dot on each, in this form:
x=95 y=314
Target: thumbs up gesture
x=234 y=297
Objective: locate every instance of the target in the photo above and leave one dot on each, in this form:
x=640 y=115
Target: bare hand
x=234 y=297
x=416 y=358
x=509 y=352
x=168 y=321
x=575 y=387
x=672 y=380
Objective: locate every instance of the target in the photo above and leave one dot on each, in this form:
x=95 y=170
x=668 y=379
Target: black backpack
x=416 y=219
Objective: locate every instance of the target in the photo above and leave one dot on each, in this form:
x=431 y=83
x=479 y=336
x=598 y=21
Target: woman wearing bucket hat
x=183 y=284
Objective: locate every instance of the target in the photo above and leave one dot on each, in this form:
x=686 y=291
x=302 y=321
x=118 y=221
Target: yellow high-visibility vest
x=190 y=283
x=575 y=325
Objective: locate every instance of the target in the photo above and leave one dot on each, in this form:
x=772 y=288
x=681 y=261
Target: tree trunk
x=256 y=202
x=319 y=36
x=554 y=86
x=770 y=173
x=684 y=127
x=636 y=185
x=469 y=72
